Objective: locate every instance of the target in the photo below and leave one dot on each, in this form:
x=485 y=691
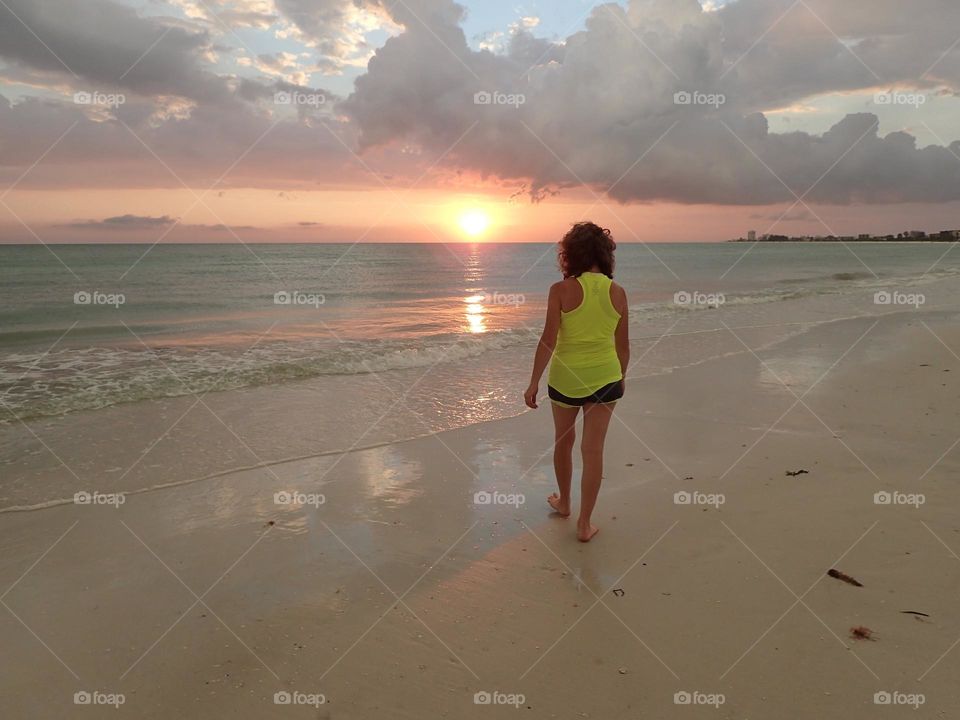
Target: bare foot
x=560 y=508
x=585 y=534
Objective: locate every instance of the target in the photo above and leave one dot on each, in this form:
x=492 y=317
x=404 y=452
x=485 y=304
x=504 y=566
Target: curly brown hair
x=585 y=246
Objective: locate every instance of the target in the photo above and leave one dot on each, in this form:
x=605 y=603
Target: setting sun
x=474 y=222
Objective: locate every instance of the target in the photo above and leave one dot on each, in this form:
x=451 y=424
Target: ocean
x=312 y=349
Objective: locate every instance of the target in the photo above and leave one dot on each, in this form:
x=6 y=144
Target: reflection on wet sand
x=390 y=478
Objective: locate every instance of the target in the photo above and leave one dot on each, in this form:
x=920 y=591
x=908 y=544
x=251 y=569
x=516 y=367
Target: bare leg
x=565 y=433
x=596 y=420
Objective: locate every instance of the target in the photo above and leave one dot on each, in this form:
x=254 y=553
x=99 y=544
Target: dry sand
x=400 y=597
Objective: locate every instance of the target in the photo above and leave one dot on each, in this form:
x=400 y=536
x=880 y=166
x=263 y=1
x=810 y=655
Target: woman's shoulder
x=565 y=285
x=568 y=293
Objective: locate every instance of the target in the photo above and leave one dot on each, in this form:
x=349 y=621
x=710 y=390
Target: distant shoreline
x=846 y=240
x=948 y=236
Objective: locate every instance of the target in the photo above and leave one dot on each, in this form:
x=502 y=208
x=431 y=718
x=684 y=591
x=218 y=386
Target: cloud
x=253 y=143
x=592 y=109
x=336 y=28
x=100 y=43
x=598 y=108
x=286 y=65
x=156 y=228
x=231 y=13
x=789 y=216
x=122 y=222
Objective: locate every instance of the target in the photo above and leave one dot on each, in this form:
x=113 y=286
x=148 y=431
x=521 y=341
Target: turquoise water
x=176 y=320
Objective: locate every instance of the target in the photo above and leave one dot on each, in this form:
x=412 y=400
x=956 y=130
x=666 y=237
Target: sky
x=431 y=120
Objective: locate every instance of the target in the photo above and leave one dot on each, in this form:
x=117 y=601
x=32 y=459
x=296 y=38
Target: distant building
x=909 y=235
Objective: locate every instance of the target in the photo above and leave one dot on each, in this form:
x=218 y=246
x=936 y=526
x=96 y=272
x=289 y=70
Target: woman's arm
x=548 y=340
x=622 y=335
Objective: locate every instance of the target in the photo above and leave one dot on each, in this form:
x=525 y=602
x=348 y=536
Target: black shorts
x=607 y=394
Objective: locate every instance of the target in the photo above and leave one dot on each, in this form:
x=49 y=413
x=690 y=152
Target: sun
x=474 y=223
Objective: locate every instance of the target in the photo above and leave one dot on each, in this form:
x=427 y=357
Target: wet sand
x=401 y=596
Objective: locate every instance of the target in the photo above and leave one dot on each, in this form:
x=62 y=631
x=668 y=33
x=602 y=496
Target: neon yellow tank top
x=585 y=358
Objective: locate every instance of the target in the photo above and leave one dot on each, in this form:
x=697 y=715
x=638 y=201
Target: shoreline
x=80 y=416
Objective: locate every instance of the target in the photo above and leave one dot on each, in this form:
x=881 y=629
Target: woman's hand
x=530 y=396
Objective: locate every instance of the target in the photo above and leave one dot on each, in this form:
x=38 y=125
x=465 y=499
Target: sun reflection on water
x=474 y=310
x=476 y=321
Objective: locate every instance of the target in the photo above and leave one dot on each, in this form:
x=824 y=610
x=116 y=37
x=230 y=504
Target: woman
x=586 y=335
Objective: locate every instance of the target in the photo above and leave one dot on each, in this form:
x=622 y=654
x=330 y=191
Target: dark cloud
x=101 y=43
x=253 y=145
x=123 y=222
x=789 y=216
x=143 y=223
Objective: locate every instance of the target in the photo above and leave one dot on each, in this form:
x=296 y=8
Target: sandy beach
x=299 y=300
x=392 y=592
